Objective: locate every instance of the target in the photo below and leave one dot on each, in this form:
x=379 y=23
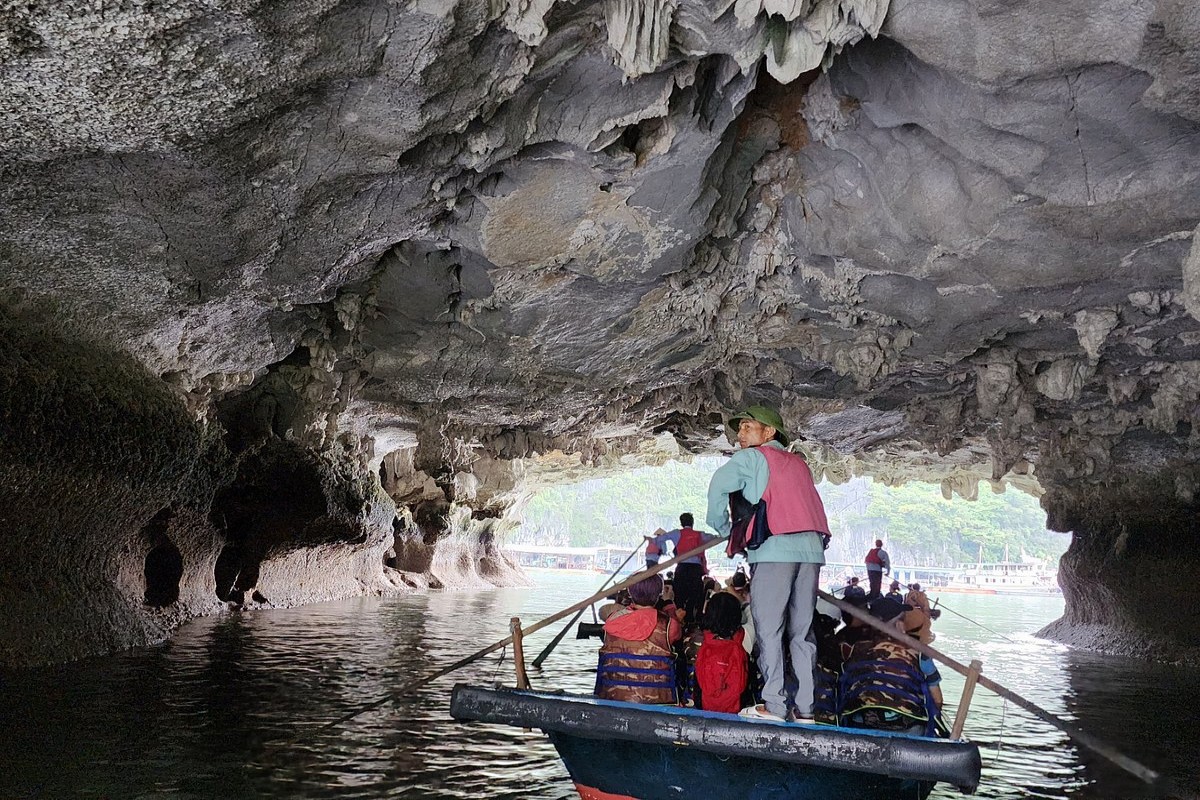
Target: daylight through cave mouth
x=926 y=534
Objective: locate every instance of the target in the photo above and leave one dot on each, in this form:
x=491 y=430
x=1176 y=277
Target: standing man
x=786 y=567
x=689 y=573
x=877 y=562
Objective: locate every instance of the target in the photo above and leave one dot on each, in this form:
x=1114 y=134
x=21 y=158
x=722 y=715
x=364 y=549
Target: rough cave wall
x=124 y=515
x=449 y=532
x=92 y=451
x=452 y=233
x=1128 y=577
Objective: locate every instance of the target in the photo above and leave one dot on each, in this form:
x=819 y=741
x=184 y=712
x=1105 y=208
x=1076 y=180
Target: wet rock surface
x=344 y=256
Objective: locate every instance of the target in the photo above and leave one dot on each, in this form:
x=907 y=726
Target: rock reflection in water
x=234 y=707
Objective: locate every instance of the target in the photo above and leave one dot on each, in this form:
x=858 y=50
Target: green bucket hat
x=764 y=414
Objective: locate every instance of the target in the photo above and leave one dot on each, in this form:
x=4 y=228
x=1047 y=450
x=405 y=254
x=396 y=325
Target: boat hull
x=1010 y=591
x=606 y=769
x=624 y=750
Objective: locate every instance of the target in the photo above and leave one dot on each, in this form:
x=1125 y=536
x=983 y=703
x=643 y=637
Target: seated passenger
x=854 y=628
x=853 y=589
x=918 y=621
x=637 y=663
x=882 y=685
x=666 y=601
x=617 y=602
x=895 y=593
x=933 y=679
x=722 y=666
x=828 y=669
x=738 y=585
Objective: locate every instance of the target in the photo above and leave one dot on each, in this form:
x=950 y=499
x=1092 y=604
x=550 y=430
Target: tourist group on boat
x=759 y=646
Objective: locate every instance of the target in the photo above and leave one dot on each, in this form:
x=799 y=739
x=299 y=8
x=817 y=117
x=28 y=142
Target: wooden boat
x=623 y=751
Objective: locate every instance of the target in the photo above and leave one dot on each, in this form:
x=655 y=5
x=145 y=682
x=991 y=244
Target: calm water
x=232 y=707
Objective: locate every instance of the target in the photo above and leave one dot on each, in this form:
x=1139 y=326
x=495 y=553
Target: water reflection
x=234 y=707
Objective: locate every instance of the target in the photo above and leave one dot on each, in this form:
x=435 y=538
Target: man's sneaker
x=759 y=712
x=803 y=719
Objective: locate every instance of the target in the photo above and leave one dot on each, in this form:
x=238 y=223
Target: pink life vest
x=793 y=504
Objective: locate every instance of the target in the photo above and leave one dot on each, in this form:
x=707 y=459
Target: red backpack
x=722 y=670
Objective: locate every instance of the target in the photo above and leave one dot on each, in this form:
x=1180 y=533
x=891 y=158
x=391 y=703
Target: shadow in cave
x=273 y=506
x=163 y=568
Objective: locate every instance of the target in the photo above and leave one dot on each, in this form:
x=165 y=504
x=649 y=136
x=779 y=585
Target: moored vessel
x=1032 y=577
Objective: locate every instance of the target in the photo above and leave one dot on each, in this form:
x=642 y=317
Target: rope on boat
x=1003 y=721
x=499 y=664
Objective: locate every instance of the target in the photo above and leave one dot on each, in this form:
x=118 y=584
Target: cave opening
x=938 y=534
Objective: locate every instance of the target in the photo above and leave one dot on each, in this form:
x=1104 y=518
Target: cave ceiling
x=948 y=237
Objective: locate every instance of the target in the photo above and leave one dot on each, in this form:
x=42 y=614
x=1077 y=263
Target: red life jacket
x=722 y=670
x=873 y=557
x=689 y=540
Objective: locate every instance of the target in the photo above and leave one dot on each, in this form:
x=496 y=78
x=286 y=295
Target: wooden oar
x=1087 y=740
x=548 y=649
x=537 y=626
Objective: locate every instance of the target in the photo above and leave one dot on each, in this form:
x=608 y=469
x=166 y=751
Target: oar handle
x=549 y=648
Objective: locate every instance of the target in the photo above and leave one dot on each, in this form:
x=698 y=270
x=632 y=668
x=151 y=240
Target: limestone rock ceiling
x=963 y=249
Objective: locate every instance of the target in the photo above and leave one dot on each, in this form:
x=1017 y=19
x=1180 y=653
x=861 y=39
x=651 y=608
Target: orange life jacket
x=636 y=661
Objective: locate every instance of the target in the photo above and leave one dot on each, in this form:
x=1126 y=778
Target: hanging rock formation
x=272 y=271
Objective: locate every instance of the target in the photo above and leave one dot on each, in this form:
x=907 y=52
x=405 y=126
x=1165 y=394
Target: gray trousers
x=782 y=598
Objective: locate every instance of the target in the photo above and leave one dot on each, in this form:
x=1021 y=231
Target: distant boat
x=1031 y=577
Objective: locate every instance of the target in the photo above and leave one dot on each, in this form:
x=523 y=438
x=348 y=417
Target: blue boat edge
x=624 y=751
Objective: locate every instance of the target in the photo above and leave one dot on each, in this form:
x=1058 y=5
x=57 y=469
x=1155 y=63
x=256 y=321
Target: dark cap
x=857 y=600
x=887 y=609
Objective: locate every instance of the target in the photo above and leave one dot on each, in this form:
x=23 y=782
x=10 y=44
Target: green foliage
x=617 y=510
x=918 y=526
